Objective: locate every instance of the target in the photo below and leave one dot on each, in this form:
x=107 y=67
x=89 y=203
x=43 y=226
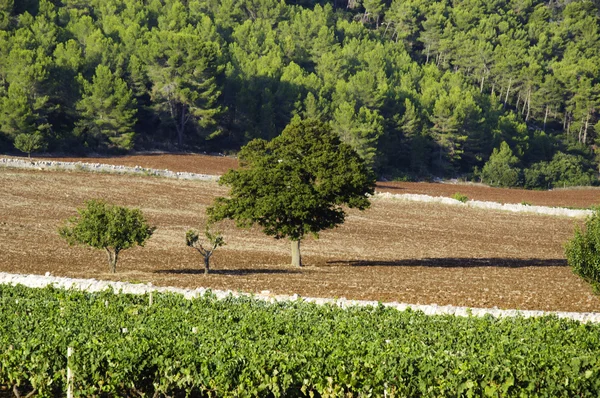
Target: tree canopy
x=295 y=184
x=109 y=227
x=417 y=88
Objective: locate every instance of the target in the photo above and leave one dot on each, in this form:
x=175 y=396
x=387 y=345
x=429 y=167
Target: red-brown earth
x=196 y=163
x=395 y=251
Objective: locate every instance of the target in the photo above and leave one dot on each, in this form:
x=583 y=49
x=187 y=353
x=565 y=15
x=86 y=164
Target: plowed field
x=580 y=197
x=395 y=251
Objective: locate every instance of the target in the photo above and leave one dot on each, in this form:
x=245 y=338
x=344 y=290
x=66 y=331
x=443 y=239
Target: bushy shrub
x=583 y=251
x=536 y=176
x=460 y=197
x=565 y=170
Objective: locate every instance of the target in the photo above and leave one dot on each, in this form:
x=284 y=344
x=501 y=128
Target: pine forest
x=501 y=91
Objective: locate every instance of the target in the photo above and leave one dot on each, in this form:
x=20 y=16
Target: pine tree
x=184 y=71
x=361 y=130
x=107 y=109
x=501 y=169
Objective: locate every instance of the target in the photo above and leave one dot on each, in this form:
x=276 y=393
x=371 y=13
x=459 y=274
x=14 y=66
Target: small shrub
x=30 y=143
x=460 y=197
x=526 y=203
x=215 y=240
x=583 y=251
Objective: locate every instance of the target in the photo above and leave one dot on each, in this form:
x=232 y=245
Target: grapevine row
x=123 y=345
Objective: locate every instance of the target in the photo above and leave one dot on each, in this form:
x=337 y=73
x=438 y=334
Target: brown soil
x=568 y=197
x=576 y=197
x=193 y=163
x=395 y=251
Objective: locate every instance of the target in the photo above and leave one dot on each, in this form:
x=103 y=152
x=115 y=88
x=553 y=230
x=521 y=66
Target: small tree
x=215 y=240
x=583 y=251
x=500 y=170
x=295 y=184
x=109 y=227
x=30 y=143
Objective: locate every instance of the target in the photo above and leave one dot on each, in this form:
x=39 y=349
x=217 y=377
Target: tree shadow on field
x=458 y=262
x=193 y=271
x=392 y=187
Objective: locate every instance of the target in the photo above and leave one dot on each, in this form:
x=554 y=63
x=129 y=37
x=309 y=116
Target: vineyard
x=166 y=345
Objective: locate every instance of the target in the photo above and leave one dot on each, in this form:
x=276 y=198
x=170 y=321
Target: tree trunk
x=546 y=117
x=507 y=91
x=112 y=259
x=180 y=129
x=481 y=86
x=528 y=105
x=206 y=264
x=587 y=123
x=296 y=258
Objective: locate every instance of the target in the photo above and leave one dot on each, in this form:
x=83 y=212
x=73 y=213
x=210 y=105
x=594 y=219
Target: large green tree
x=295 y=184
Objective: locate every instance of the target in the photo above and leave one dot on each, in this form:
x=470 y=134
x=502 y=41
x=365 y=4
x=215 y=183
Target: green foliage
x=583 y=251
x=501 y=169
x=6 y=9
x=183 y=70
x=361 y=130
x=108 y=110
x=296 y=183
x=565 y=170
x=30 y=143
x=241 y=347
x=109 y=227
x=460 y=197
x=414 y=87
x=215 y=240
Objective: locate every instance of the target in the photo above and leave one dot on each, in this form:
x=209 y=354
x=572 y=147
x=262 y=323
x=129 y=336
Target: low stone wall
x=102 y=168
x=114 y=169
x=93 y=285
x=517 y=208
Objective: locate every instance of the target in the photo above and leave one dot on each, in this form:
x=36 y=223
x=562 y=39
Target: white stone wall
x=93 y=285
x=106 y=168
x=102 y=168
x=517 y=208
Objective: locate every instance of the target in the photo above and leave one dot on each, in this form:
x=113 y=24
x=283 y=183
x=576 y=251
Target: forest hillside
x=504 y=91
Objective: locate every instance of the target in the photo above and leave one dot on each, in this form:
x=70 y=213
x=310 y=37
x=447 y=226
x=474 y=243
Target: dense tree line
x=417 y=87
